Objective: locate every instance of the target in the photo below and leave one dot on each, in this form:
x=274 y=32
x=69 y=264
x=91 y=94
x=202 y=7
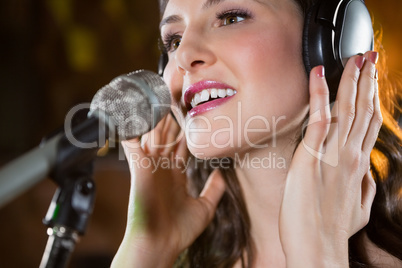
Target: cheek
x=271 y=78
x=274 y=56
x=276 y=67
x=173 y=80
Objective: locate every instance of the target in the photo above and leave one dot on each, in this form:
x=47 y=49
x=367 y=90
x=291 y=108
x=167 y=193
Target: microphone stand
x=73 y=201
x=68 y=215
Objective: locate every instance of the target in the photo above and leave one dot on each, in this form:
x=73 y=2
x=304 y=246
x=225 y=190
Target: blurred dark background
x=55 y=54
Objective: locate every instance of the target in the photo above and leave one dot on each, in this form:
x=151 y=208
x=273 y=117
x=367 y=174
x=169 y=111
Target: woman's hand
x=329 y=189
x=163 y=219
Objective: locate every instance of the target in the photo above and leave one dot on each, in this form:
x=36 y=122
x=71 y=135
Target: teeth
x=204 y=95
x=221 y=93
x=214 y=93
x=197 y=99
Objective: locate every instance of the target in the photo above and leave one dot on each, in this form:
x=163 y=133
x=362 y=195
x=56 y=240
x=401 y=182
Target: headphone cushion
x=305 y=41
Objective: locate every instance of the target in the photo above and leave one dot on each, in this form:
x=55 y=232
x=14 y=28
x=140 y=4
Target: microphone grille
x=132 y=103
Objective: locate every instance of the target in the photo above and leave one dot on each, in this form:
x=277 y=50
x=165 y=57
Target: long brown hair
x=385 y=226
x=227 y=238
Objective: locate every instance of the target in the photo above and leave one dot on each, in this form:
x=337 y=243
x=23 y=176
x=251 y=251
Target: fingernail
x=373 y=56
x=360 y=62
x=320 y=71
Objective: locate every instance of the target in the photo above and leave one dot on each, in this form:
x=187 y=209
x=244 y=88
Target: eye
x=175 y=43
x=231 y=19
x=171 y=42
x=233 y=16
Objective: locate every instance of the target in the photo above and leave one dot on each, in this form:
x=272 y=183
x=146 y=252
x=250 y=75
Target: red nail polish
x=320 y=71
x=360 y=62
x=373 y=57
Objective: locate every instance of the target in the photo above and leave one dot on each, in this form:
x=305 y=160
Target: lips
x=205 y=95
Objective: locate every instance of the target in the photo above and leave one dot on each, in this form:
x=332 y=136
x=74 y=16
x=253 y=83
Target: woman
x=268 y=192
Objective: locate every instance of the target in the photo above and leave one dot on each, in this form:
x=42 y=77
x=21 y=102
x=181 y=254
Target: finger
x=345 y=107
x=181 y=155
x=135 y=155
x=368 y=194
x=143 y=181
x=167 y=127
x=181 y=147
x=364 y=101
x=375 y=124
x=319 y=115
x=211 y=194
x=171 y=135
x=140 y=165
x=151 y=141
x=132 y=147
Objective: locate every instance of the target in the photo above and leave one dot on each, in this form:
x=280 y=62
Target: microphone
x=129 y=106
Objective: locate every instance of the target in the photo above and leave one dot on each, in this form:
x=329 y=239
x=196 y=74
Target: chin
x=211 y=144
x=211 y=152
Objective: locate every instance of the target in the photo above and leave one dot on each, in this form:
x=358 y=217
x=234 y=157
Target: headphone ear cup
x=331 y=42
x=305 y=41
x=318 y=46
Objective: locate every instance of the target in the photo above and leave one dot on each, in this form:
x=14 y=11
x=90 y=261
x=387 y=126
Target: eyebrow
x=210 y=3
x=176 y=18
x=170 y=19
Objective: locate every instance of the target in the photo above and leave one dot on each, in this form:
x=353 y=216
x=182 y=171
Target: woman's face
x=235 y=72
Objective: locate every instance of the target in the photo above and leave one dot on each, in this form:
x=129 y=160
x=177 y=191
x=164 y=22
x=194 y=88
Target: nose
x=194 y=53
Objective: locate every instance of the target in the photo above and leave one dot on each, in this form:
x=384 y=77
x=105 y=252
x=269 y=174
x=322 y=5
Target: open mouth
x=207 y=95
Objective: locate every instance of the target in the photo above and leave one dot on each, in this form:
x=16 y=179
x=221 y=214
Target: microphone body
x=129 y=106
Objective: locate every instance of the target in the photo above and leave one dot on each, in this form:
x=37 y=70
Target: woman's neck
x=262 y=175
